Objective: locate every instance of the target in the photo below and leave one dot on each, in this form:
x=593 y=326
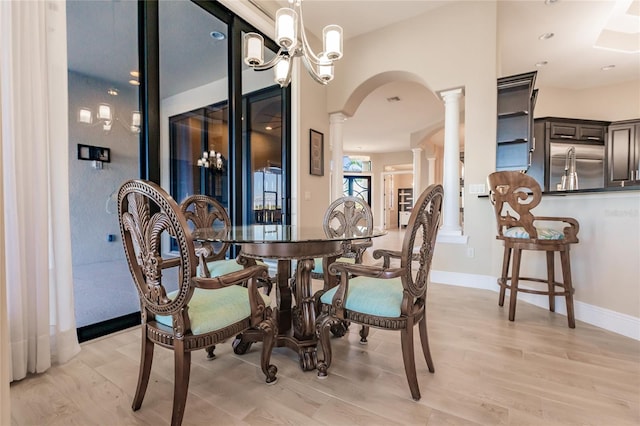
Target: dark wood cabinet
x=516 y=100
x=623 y=153
x=577 y=131
x=554 y=136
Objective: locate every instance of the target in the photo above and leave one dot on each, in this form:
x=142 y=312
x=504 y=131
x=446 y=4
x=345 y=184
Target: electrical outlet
x=471 y=252
x=476 y=188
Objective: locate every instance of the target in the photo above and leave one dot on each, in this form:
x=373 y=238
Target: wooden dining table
x=285 y=243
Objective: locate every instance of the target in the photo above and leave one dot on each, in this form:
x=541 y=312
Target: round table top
x=257 y=234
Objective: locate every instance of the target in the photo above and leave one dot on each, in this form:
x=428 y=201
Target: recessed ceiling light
x=268 y=128
x=550 y=2
x=546 y=36
x=135 y=74
x=608 y=67
x=217 y=35
x=112 y=91
x=541 y=64
x=134 y=82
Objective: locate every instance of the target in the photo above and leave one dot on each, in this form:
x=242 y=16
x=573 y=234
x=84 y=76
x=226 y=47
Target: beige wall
x=311 y=194
x=607 y=103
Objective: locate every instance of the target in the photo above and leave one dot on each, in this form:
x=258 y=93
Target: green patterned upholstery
x=317 y=269
x=215 y=309
x=371 y=296
x=543 y=233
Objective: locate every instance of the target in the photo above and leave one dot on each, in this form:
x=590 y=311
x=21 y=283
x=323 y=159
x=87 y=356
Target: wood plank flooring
x=489 y=371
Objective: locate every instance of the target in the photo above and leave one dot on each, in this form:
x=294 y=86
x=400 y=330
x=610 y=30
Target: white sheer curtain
x=35 y=155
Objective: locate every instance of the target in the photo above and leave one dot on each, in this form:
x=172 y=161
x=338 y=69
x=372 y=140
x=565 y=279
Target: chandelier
x=211 y=160
x=290 y=25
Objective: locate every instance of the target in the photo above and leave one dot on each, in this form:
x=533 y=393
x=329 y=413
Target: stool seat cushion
x=317 y=269
x=211 y=310
x=371 y=296
x=543 y=233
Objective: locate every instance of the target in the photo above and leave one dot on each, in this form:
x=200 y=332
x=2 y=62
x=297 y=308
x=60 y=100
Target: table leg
x=283 y=296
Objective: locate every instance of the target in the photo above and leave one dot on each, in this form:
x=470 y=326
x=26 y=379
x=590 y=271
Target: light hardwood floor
x=489 y=371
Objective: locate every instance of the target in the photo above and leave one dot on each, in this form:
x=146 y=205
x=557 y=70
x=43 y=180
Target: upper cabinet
x=516 y=100
x=624 y=154
x=568 y=146
x=577 y=132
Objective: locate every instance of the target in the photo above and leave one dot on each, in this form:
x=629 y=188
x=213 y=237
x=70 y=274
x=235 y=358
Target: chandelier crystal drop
x=290 y=26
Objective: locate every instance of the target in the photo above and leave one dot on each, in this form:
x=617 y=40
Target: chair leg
x=424 y=339
x=551 y=280
x=210 y=354
x=146 y=359
x=408 y=356
x=505 y=273
x=323 y=331
x=515 y=275
x=364 y=333
x=568 y=286
x=182 y=365
x=269 y=329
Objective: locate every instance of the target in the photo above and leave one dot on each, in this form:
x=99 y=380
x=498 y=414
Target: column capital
x=417 y=150
x=337 y=117
x=450 y=94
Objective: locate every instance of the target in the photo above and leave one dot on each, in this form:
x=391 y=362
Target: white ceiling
x=96 y=27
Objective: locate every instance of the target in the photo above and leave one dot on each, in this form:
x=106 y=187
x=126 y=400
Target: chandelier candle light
x=289 y=24
x=211 y=160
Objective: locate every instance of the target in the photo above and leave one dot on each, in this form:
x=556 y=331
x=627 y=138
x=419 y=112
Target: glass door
x=104 y=117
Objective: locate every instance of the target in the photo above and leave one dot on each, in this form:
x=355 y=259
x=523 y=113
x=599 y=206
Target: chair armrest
x=359 y=247
x=570 y=232
x=233 y=278
x=386 y=255
x=370 y=271
x=171 y=262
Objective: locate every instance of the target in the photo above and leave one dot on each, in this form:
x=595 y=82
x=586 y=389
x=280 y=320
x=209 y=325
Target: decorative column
x=431 y=178
x=336 y=123
x=417 y=173
x=451 y=180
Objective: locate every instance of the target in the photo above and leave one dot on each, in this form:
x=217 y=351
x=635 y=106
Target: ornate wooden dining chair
x=514 y=195
x=344 y=216
x=201 y=311
x=202 y=211
x=385 y=297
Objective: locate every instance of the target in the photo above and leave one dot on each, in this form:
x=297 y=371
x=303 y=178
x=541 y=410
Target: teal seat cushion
x=543 y=233
x=371 y=296
x=225 y=266
x=211 y=310
x=317 y=269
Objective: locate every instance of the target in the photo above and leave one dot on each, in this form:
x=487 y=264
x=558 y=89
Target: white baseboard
x=613 y=321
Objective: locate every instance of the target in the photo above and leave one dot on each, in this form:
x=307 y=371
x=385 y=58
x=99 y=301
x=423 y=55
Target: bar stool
x=515 y=192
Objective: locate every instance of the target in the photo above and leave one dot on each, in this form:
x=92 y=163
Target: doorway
x=397 y=185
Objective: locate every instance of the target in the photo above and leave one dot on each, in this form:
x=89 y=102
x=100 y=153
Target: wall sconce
x=85 y=116
x=104 y=114
x=136 y=119
x=211 y=160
